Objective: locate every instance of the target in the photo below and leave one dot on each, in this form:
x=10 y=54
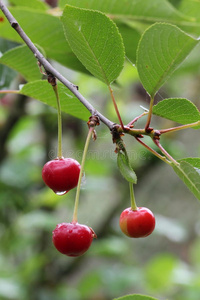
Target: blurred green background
x=165 y=265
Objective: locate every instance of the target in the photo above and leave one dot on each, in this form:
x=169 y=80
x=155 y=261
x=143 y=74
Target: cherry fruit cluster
x=74 y=239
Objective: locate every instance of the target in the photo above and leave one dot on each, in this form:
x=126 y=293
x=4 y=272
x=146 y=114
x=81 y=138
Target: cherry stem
x=180 y=127
x=9 y=92
x=55 y=88
x=165 y=152
x=149 y=114
x=116 y=108
x=75 y=214
x=163 y=158
x=133 y=202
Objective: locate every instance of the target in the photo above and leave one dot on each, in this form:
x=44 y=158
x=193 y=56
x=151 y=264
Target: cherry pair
x=61 y=175
x=73 y=239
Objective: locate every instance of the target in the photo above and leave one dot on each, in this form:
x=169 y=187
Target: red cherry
x=137 y=223
x=72 y=239
x=61 y=174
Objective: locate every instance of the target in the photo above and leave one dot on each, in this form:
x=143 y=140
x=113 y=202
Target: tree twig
x=49 y=68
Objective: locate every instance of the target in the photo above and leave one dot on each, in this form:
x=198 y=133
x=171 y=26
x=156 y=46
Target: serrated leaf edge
x=155 y=90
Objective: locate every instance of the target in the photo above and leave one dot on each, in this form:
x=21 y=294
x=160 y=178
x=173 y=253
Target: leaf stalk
x=181 y=127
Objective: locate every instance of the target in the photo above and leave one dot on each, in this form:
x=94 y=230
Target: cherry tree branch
x=119 y=129
x=50 y=69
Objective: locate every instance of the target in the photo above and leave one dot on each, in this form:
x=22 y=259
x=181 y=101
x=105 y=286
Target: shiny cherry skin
x=61 y=174
x=72 y=239
x=137 y=223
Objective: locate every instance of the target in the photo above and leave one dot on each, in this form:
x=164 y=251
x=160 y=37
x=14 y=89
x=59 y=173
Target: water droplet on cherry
x=61 y=193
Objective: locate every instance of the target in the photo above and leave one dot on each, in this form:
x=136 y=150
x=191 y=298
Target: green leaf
x=189 y=175
x=179 y=110
x=135 y=10
x=36 y=4
x=125 y=168
x=22 y=60
x=7 y=75
x=162 y=48
x=147 y=12
x=96 y=41
x=43 y=91
x=194 y=161
x=135 y=297
x=44 y=30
